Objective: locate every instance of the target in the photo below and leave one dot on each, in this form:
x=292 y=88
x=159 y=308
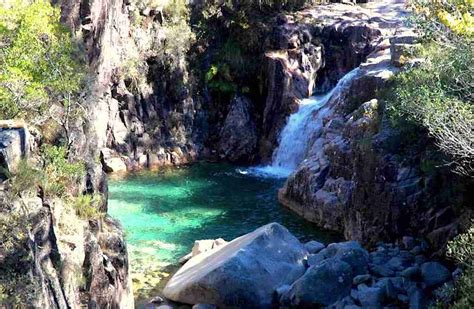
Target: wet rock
x=245 y=272
x=238 y=137
x=434 y=274
x=314 y=247
x=322 y=285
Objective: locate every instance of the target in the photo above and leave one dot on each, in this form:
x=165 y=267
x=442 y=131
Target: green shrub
x=438 y=96
x=25 y=178
x=61 y=175
x=87 y=206
x=461 y=249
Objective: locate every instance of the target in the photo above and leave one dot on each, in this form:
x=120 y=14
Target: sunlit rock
x=245 y=272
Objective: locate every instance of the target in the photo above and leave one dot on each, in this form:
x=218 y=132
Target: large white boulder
x=243 y=273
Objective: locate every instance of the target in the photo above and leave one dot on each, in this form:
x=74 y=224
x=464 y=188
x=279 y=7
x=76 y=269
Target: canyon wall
x=52 y=257
x=357 y=177
x=149 y=109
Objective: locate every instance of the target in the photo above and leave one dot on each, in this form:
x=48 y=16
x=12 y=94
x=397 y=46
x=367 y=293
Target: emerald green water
x=164 y=212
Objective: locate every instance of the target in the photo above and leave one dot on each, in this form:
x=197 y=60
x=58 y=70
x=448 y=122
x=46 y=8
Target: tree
x=40 y=64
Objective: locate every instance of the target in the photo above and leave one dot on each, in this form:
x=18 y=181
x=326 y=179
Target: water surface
x=164 y=212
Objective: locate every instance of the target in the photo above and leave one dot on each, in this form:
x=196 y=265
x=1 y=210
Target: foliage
x=15 y=284
x=235 y=34
x=87 y=206
x=25 y=178
x=437 y=17
x=13 y=231
x=60 y=174
x=438 y=93
x=178 y=34
x=39 y=59
x=461 y=249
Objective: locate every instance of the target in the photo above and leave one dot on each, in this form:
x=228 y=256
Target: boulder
x=243 y=273
x=321 y=285
x=350 y=252
x=201 y=246
x=111 y=162
x=115 y=165
x=238 y=137
x=434 y=274
x=13 y=147
x=370 y=297
x=361 y=279
x=314 y=247
x=411 y=272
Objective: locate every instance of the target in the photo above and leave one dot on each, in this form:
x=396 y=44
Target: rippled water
x=164 y=212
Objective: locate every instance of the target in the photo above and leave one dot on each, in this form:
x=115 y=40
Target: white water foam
x=299 y=131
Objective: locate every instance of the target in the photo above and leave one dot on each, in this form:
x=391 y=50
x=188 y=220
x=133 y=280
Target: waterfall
x=300 y=130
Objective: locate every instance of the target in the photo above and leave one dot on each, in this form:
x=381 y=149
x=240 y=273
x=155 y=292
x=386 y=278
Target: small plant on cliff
x=461 y=249
x=25 y=178
x=61 y=175
x=87 y=206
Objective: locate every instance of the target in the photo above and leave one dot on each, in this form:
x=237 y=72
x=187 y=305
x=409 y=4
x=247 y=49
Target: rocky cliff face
x=311 y=50
x=143 y=114
x=145 y=111
x=354 y=178
x=50 y=257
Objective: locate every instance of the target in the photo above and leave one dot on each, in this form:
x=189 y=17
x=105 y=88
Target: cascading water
x=302 y=126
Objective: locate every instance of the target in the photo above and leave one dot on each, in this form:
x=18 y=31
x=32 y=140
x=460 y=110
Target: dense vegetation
x=236 y=34
x=41 y=77
x=436 y=96
x=461 y=249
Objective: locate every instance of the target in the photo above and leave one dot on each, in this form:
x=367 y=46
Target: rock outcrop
x=243 y=273
x=15 y=141
x=310 y=51
x=351 y=181
x=238 y=136
x=49 y=254
x=58 y=261
x=142 y=111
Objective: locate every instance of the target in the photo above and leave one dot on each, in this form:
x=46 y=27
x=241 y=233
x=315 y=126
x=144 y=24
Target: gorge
x=234 y=154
